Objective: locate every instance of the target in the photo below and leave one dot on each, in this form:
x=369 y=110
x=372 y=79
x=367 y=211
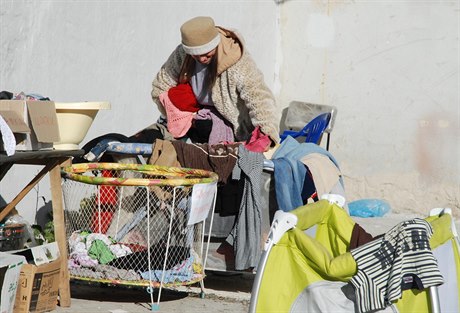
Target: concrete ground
x=224 y=292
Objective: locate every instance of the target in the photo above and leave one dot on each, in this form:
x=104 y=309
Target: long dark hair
x=188 y=69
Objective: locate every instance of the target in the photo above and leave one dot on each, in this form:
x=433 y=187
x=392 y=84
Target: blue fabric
x=96 y=147
x=130 y=148
x=289 y=181
x=114 y=146
x=290 y=172
x=293 y=149
x=98 y=150
x=182 y=272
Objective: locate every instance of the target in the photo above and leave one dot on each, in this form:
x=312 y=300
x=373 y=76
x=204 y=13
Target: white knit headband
x=199 y=50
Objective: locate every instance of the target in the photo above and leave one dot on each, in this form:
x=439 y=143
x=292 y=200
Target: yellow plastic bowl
x=74 y=121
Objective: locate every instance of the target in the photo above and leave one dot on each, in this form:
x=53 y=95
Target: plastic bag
x=28 y=239
x=369 y=208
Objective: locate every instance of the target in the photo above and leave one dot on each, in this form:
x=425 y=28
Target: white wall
x=108 y=50
x=392 y=70
x=390 y=67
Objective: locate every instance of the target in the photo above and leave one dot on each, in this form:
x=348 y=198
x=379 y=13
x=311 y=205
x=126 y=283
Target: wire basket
x=137 y=224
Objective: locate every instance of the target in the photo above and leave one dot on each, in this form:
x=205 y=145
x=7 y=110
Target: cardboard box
x=10 y=268
x=34 y=123
x=39 y=279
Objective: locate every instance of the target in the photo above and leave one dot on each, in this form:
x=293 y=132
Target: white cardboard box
x=10 y=269
x=34 y=123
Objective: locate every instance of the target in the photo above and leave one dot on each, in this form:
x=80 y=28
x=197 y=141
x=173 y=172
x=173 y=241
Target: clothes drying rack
x=138 y=225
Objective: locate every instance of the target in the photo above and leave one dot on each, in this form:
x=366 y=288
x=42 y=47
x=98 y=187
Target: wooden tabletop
x=26 y=157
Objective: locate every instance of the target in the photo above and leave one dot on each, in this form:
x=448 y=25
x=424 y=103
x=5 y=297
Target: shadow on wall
x=44 y=214
x=283 y=120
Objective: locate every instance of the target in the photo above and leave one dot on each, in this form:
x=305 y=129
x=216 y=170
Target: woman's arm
x=258 y=98
x=167 y=77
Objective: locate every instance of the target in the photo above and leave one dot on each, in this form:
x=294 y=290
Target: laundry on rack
x=103 y=271
x=221 y=131
x=182 y=272
x=259 y=142
x=290 y=172
x=289 y=180
x=324 y=172
x=163 y=154
x=245 y=237
x=96 y=147
x=401 y=259
x=140 y=262
x=219 y=158
x=89 y=249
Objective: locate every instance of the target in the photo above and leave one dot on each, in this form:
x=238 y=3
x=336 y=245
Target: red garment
x=179 y=122
x=259 y=142
x=107 y=194
x=183 y=98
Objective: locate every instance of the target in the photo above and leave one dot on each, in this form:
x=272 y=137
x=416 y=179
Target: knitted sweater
x=239 y=93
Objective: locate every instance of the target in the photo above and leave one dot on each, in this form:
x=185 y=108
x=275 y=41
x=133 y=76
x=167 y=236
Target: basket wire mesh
x=129 y=224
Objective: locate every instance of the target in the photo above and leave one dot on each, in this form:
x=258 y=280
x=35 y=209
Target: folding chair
x=299 y=113
x=313 y=131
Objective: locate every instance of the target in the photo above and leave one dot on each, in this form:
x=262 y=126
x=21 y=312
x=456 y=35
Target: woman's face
x=205 y=58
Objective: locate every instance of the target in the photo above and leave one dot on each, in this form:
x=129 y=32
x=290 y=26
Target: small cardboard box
x=39 y=280
x=34 y=123
x=10 y=268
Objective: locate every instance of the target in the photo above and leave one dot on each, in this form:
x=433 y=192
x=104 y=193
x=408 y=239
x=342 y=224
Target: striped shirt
x=401 y=259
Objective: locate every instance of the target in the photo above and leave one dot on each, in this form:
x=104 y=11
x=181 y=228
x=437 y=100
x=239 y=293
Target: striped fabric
x=401 y=259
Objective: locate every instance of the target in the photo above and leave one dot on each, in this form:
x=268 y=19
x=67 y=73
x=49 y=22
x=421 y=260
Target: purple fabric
x=221 y=131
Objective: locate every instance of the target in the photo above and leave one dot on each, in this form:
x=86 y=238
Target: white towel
x=324 y=172
x=9 y=142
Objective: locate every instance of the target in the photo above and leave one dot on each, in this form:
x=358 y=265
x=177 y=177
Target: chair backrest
x=312 y=131
x=315 y=128
x=299 y=113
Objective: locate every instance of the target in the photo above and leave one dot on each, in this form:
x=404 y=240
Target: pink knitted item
x=179 y=122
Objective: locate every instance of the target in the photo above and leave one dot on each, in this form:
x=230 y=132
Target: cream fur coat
x=239 y=94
